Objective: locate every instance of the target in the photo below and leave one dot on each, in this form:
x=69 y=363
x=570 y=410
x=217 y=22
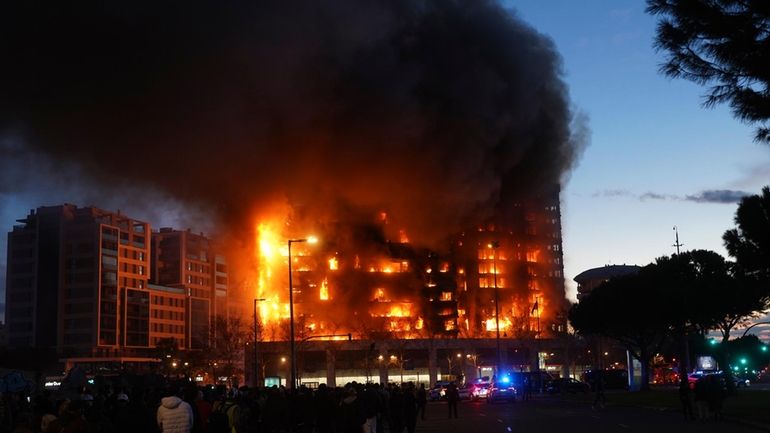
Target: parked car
x=567 y=384
x=438 y=392
x=480 y=390
x=499 y=391
x=738 y=382
x=466 y=391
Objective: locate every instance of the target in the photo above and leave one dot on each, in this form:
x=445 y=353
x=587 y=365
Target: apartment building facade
x=79 y=282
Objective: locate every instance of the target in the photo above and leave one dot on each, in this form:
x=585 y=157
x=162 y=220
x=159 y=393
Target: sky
x=652 y=147
x=653 y=152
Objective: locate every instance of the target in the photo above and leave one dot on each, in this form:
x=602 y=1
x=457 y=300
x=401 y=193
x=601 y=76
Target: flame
x=333 y=264
x=533 y=256
x=388 y=266
x=266 y=257
x=324 y=292
x=379 y=295
x=419 y=323
x=505 y=323
x=399 y=311
x=402 y=237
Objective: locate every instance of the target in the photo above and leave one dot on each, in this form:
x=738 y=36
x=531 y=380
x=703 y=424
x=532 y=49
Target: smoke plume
x=437 y=111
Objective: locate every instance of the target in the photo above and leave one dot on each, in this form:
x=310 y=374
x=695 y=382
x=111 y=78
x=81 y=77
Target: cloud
x=613 y=193
x=719 y=196
x=657 y=196
x=725 y=196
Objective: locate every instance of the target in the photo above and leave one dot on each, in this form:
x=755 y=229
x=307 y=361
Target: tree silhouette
x=625 y=309
x=722 y=43
x=227 y=344
x=749 y=242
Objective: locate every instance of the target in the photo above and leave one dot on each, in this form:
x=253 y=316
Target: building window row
x=168 y=328
x=197 y=267
x=168 y=301
x=167 y=314
x=193 y=279
x=135 y=283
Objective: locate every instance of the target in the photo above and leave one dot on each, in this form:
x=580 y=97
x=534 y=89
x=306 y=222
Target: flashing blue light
x=506 y=379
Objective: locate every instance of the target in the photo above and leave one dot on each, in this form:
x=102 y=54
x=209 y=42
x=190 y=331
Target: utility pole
x=685 y=337
x=677 y=244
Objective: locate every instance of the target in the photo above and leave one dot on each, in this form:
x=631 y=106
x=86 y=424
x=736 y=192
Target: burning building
x=451 y=117
x=357 y=280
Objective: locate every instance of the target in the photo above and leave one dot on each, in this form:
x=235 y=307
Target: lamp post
x=293 y=366
x=256 y=367
x=494 y=245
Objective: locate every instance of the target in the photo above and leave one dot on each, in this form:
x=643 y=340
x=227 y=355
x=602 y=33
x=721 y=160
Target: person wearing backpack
x=223 y=416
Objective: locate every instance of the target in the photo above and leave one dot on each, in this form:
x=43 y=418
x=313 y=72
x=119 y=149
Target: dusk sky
x=655 y=159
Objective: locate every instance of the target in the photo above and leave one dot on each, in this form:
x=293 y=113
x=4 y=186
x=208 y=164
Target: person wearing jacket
x=174 y=414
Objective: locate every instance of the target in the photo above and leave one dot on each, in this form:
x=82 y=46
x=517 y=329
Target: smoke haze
x=437 y=111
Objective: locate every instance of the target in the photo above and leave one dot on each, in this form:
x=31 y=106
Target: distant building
x=78 y=281
x=189 y=262
x=590 y=279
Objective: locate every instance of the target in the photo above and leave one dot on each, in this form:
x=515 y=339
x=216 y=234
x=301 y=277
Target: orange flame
x=324 y=292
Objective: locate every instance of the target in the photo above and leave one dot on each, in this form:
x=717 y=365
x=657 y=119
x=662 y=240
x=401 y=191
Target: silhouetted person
x=410 y=408
x=701 y=398
x=715 y=395
x=527 y=384
x=600 y=400
x=352 y=410
x=452 y=397
x=685 y=396
x=422 y=400
x=396 y=410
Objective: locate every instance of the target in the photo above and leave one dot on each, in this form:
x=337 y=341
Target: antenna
x=677 y=244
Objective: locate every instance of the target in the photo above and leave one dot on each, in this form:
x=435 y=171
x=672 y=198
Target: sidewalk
x=747 y=407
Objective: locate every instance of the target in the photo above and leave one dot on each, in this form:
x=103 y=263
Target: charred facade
x=358 y=281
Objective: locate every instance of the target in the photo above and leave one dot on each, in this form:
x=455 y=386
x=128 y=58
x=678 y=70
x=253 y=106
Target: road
x=548 y=415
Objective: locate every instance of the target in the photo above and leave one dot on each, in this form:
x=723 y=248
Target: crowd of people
x=183 y=408
x=703 y=399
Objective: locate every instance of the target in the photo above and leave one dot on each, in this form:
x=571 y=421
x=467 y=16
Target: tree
x=624 y=309
x=749 y=243
x=722 y=43
x=229 y=336
x=167 y=351
x=692 y=292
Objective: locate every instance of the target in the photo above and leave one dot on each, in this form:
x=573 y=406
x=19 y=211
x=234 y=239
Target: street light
x=310 y=240
x=495 y=245
x=256 y=367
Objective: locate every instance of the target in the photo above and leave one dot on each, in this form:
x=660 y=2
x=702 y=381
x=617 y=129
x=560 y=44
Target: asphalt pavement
x=551 y=414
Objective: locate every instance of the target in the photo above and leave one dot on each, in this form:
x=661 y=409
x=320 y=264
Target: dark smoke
x=721 y=196
x=438 y=111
